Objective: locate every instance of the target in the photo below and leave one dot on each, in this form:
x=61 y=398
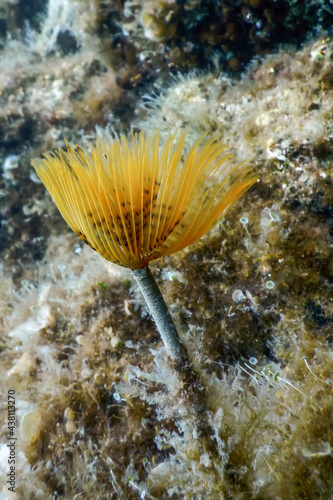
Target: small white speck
x=253 y=299
x=126 y=308
x=11 y=162
x=274 y=217
x=238 y=296
x=270 y=285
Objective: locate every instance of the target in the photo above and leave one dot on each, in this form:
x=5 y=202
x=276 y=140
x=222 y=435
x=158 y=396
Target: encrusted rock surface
x=99 y=410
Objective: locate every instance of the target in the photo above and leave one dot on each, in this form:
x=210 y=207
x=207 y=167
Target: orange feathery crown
x=133 y=201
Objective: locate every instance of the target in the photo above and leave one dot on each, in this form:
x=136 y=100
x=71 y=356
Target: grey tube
x=159 y=312
x=192 y=388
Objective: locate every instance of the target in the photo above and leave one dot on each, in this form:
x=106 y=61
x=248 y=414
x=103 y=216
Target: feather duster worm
x=133 y=202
